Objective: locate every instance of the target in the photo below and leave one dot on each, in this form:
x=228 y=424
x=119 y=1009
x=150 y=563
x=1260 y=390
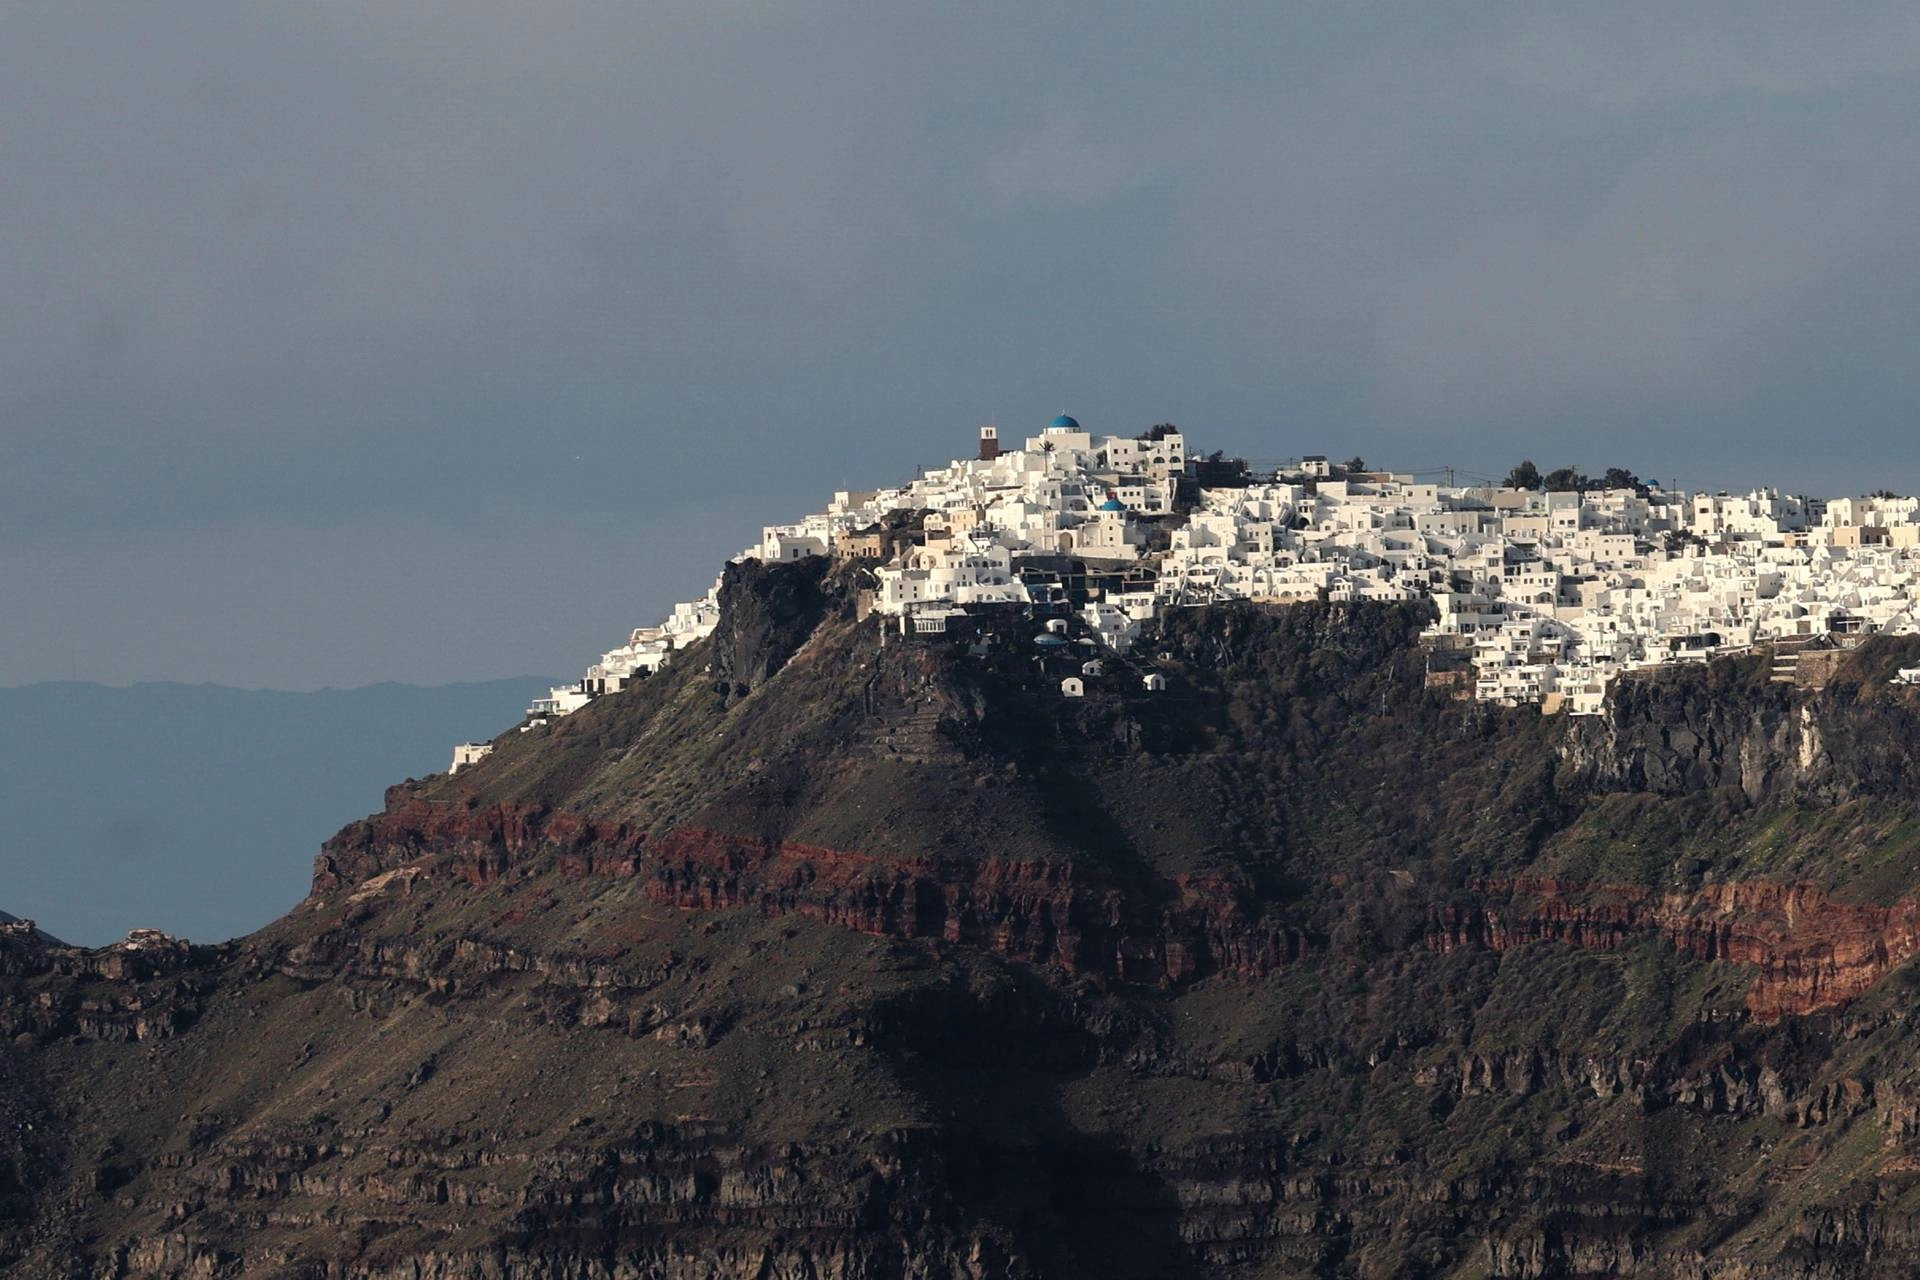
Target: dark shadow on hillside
x=991 y=1053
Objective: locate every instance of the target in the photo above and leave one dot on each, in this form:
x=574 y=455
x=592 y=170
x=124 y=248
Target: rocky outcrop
x=149 y=987
x=1167 y=930
x=13 y=926
x=1810 y=953
x=665 y=1200
x=474 y=843
x=767 y=611
x=1684 y=730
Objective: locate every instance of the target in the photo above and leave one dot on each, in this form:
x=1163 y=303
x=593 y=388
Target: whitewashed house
x=467 y=753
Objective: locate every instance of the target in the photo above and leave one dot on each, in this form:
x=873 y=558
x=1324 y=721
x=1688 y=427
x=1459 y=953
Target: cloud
x=1056 y=162
x=283 y=274
x=1622 y=57
x=1683 y=284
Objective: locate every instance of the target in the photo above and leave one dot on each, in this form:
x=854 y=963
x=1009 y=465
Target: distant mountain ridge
x=196 y=808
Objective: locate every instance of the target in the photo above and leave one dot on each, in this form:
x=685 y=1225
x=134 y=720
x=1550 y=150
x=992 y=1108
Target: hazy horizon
x=198 y=809
x=240 y=688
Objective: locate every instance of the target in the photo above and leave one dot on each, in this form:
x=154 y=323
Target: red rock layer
x=478 y=843
x=1165 y=930
x=1813 y=953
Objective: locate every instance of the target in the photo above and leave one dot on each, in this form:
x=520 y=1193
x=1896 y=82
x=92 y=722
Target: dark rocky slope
x=820 y=957
x=40 y=933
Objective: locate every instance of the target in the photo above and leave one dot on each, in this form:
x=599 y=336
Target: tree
x=1355 y=463
x=1524 y=476
x=1564 y=479
x=1619 y=478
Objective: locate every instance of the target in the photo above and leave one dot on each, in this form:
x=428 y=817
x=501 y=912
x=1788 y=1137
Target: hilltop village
x=1544 y=592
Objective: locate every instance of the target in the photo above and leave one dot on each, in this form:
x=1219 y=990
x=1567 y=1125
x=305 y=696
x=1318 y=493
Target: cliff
x=1681 y=730
x=833 y=955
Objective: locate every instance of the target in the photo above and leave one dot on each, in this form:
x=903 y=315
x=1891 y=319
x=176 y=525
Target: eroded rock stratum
x=817 y=957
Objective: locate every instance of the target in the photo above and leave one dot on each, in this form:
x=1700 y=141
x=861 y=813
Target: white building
x=1551 y=594
x=467 y=753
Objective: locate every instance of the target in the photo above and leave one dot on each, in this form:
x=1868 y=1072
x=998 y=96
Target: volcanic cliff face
x=830 y=953
x=1679 y=731
x=767 y=611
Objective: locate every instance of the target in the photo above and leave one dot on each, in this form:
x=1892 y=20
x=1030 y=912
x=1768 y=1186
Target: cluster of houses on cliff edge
x=1541 y=596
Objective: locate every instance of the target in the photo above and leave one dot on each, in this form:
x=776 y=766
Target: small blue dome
x=1063 y=423
x=1112 y=504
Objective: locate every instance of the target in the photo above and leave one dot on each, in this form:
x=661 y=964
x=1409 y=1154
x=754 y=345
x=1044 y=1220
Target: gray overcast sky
x=363 y=339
